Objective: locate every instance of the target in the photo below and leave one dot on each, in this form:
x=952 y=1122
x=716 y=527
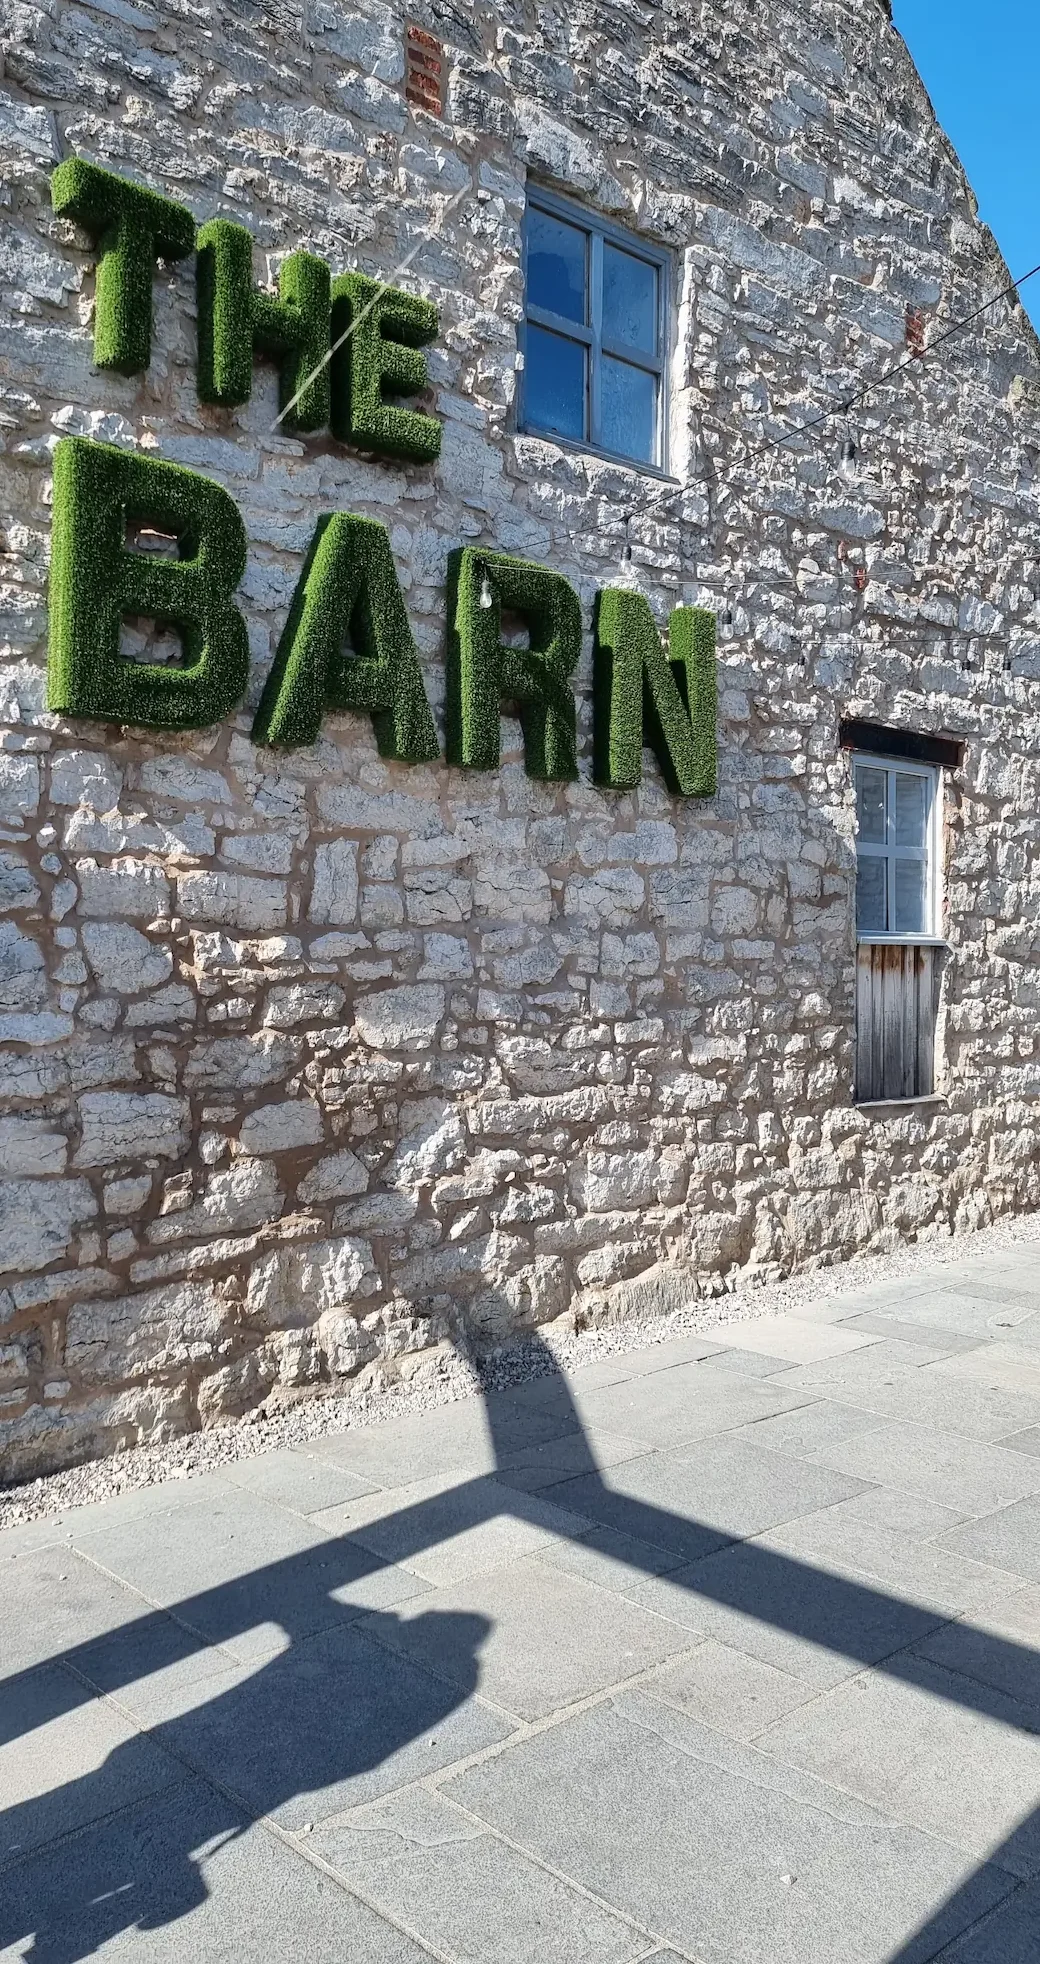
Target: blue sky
x=980 y=62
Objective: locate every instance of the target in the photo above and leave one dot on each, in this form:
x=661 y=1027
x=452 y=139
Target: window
x=594 y=334
x=899 y=960
x=896 y=885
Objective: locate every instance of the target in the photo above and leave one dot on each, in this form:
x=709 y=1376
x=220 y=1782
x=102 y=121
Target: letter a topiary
x=235 y=319
x=133 y=228
x=640 y=695
x=482 y=669
x=95 y=581
x=349 y=584
x=381 y=331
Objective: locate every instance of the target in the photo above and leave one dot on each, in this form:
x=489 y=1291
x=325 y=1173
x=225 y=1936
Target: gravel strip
x=513 y=1363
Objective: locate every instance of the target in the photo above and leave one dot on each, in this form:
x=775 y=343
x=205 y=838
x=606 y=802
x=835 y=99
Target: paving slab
x=732 y=1858
x=802 y=1431
x=960 y=1473
x=448 y=1880
x=186 y=1875
x=888 y=1324
x=561 y=1459
x=728 y=1690
x=1009 y=1935
x=901 y=1513
x=916 y=1749
x=301 y=1481
x=1008 y=1539
x=817 y=1625
x=996 y=1645
x=451 y=1439
x=71 y=1761
x=340 y=1719
x=443 y=1531
x=793 y=1339
x=698 y=1497
x=50 y=1601
x=670 y=1408
x=929 y=1573
x=901 y=1385
x=610 y=1559
x=551 y=1638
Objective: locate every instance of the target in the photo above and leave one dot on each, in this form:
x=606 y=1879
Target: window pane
x=911 y=810
x=629 y=300
x=870 y=805
x=871 y=896
x=910 y=897
x=554 y=384
x=556 y=265
x=628 y=410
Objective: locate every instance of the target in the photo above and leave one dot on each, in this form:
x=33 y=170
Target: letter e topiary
x=380 y=332
x=95 y=581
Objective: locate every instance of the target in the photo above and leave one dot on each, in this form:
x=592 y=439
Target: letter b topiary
x=95 y=581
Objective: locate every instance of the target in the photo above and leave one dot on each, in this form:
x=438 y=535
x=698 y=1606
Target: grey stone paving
x=725 y=1651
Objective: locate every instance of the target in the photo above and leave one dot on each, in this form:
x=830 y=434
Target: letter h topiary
x=133 y=228
x=349 y=585
x=235 y=319
x=380 y=332
x=482 y=670
x=95 y=581
x=641 y=695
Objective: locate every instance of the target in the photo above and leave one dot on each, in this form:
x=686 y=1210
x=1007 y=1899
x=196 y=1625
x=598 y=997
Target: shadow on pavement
x=339 y=1711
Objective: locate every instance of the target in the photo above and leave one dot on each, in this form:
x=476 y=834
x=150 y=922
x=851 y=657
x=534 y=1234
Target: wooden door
x=897 y=996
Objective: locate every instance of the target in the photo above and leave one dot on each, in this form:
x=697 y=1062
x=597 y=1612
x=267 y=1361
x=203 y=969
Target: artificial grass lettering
x=384 y=331
x=95 y=581
x=133 y=228
x=236 y=320
x=349 y=584
x=483 y=670
x=641 y=695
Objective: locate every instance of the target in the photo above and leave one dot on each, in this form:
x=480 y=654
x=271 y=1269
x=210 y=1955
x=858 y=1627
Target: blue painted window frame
x=600 y=231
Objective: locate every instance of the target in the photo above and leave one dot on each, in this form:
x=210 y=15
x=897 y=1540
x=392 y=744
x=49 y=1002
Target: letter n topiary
x=380 y=332
x=95 y=581
x=235 y=319
x=133 y=228
x=482 y=670
x=643 y=695
x=349 y=585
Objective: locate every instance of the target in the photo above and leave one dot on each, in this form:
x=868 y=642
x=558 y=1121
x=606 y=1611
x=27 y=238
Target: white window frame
x=865 y=849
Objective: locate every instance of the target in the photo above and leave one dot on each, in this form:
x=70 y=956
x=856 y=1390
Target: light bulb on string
x=487 y=598
x=626 y=544
x=849 y=461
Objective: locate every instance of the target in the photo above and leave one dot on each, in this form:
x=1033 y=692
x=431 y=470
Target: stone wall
x=316 y=1065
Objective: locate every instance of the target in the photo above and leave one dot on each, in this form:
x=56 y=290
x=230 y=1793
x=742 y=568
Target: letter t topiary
x=133 y=228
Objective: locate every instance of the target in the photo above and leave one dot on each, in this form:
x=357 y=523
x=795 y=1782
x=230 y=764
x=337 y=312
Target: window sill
x=578 y=449
x=901 y=941
x=896 y=1107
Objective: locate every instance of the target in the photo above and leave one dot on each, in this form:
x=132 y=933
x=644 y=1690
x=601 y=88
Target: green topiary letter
x=235 y=319
x=643 y=695
x=482 y=669
x=95 y=581
x=384 y=331
x=133 y=228
x=349 y=585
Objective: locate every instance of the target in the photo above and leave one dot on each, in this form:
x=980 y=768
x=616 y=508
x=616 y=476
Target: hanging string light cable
x=844 y=407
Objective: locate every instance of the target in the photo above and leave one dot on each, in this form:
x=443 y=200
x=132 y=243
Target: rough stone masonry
x=316 y=1066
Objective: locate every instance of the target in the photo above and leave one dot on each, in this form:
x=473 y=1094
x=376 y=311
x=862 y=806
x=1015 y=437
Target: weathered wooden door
x=897 y=998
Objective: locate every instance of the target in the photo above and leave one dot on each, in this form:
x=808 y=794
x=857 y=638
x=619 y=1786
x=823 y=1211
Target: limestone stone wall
x=315 y=1066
